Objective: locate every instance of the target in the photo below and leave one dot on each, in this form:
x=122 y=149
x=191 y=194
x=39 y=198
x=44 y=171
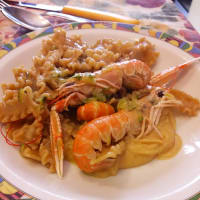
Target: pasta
x=65 y=63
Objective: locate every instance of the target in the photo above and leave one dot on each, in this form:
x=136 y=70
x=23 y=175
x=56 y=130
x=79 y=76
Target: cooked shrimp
x=133 y=74
x=113 y=128
x=94 y=109
x=104 y=129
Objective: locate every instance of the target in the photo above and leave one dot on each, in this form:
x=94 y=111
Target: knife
x=77 y=11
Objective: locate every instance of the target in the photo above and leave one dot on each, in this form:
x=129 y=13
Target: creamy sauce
x=173 y=151
x=141 y=151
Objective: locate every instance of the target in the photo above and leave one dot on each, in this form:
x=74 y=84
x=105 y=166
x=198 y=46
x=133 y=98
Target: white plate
x=174 y=179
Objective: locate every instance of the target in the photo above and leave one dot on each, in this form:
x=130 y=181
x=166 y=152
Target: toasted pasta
x=46 y=156
x=25 y=131
x=17 y=105
x=70 y=55
x=42 y=155
x=27 y=152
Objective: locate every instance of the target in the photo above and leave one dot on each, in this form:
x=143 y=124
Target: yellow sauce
x=173 y=151
x=141 y=151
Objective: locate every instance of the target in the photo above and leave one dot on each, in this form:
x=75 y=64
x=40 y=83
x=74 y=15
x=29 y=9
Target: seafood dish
x=98 y=106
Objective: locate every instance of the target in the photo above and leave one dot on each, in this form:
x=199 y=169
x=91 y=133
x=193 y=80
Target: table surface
x=161 y=15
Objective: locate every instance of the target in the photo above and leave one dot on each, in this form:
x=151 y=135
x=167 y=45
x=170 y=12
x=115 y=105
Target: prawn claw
x=56 y=141
x=168 y=76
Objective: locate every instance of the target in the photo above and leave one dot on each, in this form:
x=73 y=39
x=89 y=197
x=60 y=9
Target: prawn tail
x=84 y=151
x=98 y=133
x=93 y=110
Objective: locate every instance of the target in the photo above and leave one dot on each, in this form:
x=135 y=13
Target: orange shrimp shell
x=98 y=131
x=94 y=110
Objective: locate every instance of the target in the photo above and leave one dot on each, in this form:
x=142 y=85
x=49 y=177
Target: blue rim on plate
x=143 y=30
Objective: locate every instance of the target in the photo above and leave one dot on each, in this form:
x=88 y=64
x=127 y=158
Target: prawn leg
x=73 y=98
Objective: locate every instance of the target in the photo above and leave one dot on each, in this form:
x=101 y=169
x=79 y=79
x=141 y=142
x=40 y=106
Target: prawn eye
x=160 y=94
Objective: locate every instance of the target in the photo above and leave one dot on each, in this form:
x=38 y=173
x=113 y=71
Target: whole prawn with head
x=91 y=138
x=109 y=132
x=132 y=74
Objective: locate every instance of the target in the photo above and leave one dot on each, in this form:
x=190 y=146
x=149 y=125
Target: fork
x=3 y=4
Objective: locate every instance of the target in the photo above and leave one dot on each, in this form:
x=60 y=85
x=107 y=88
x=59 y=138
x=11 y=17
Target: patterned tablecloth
x=161 y=15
